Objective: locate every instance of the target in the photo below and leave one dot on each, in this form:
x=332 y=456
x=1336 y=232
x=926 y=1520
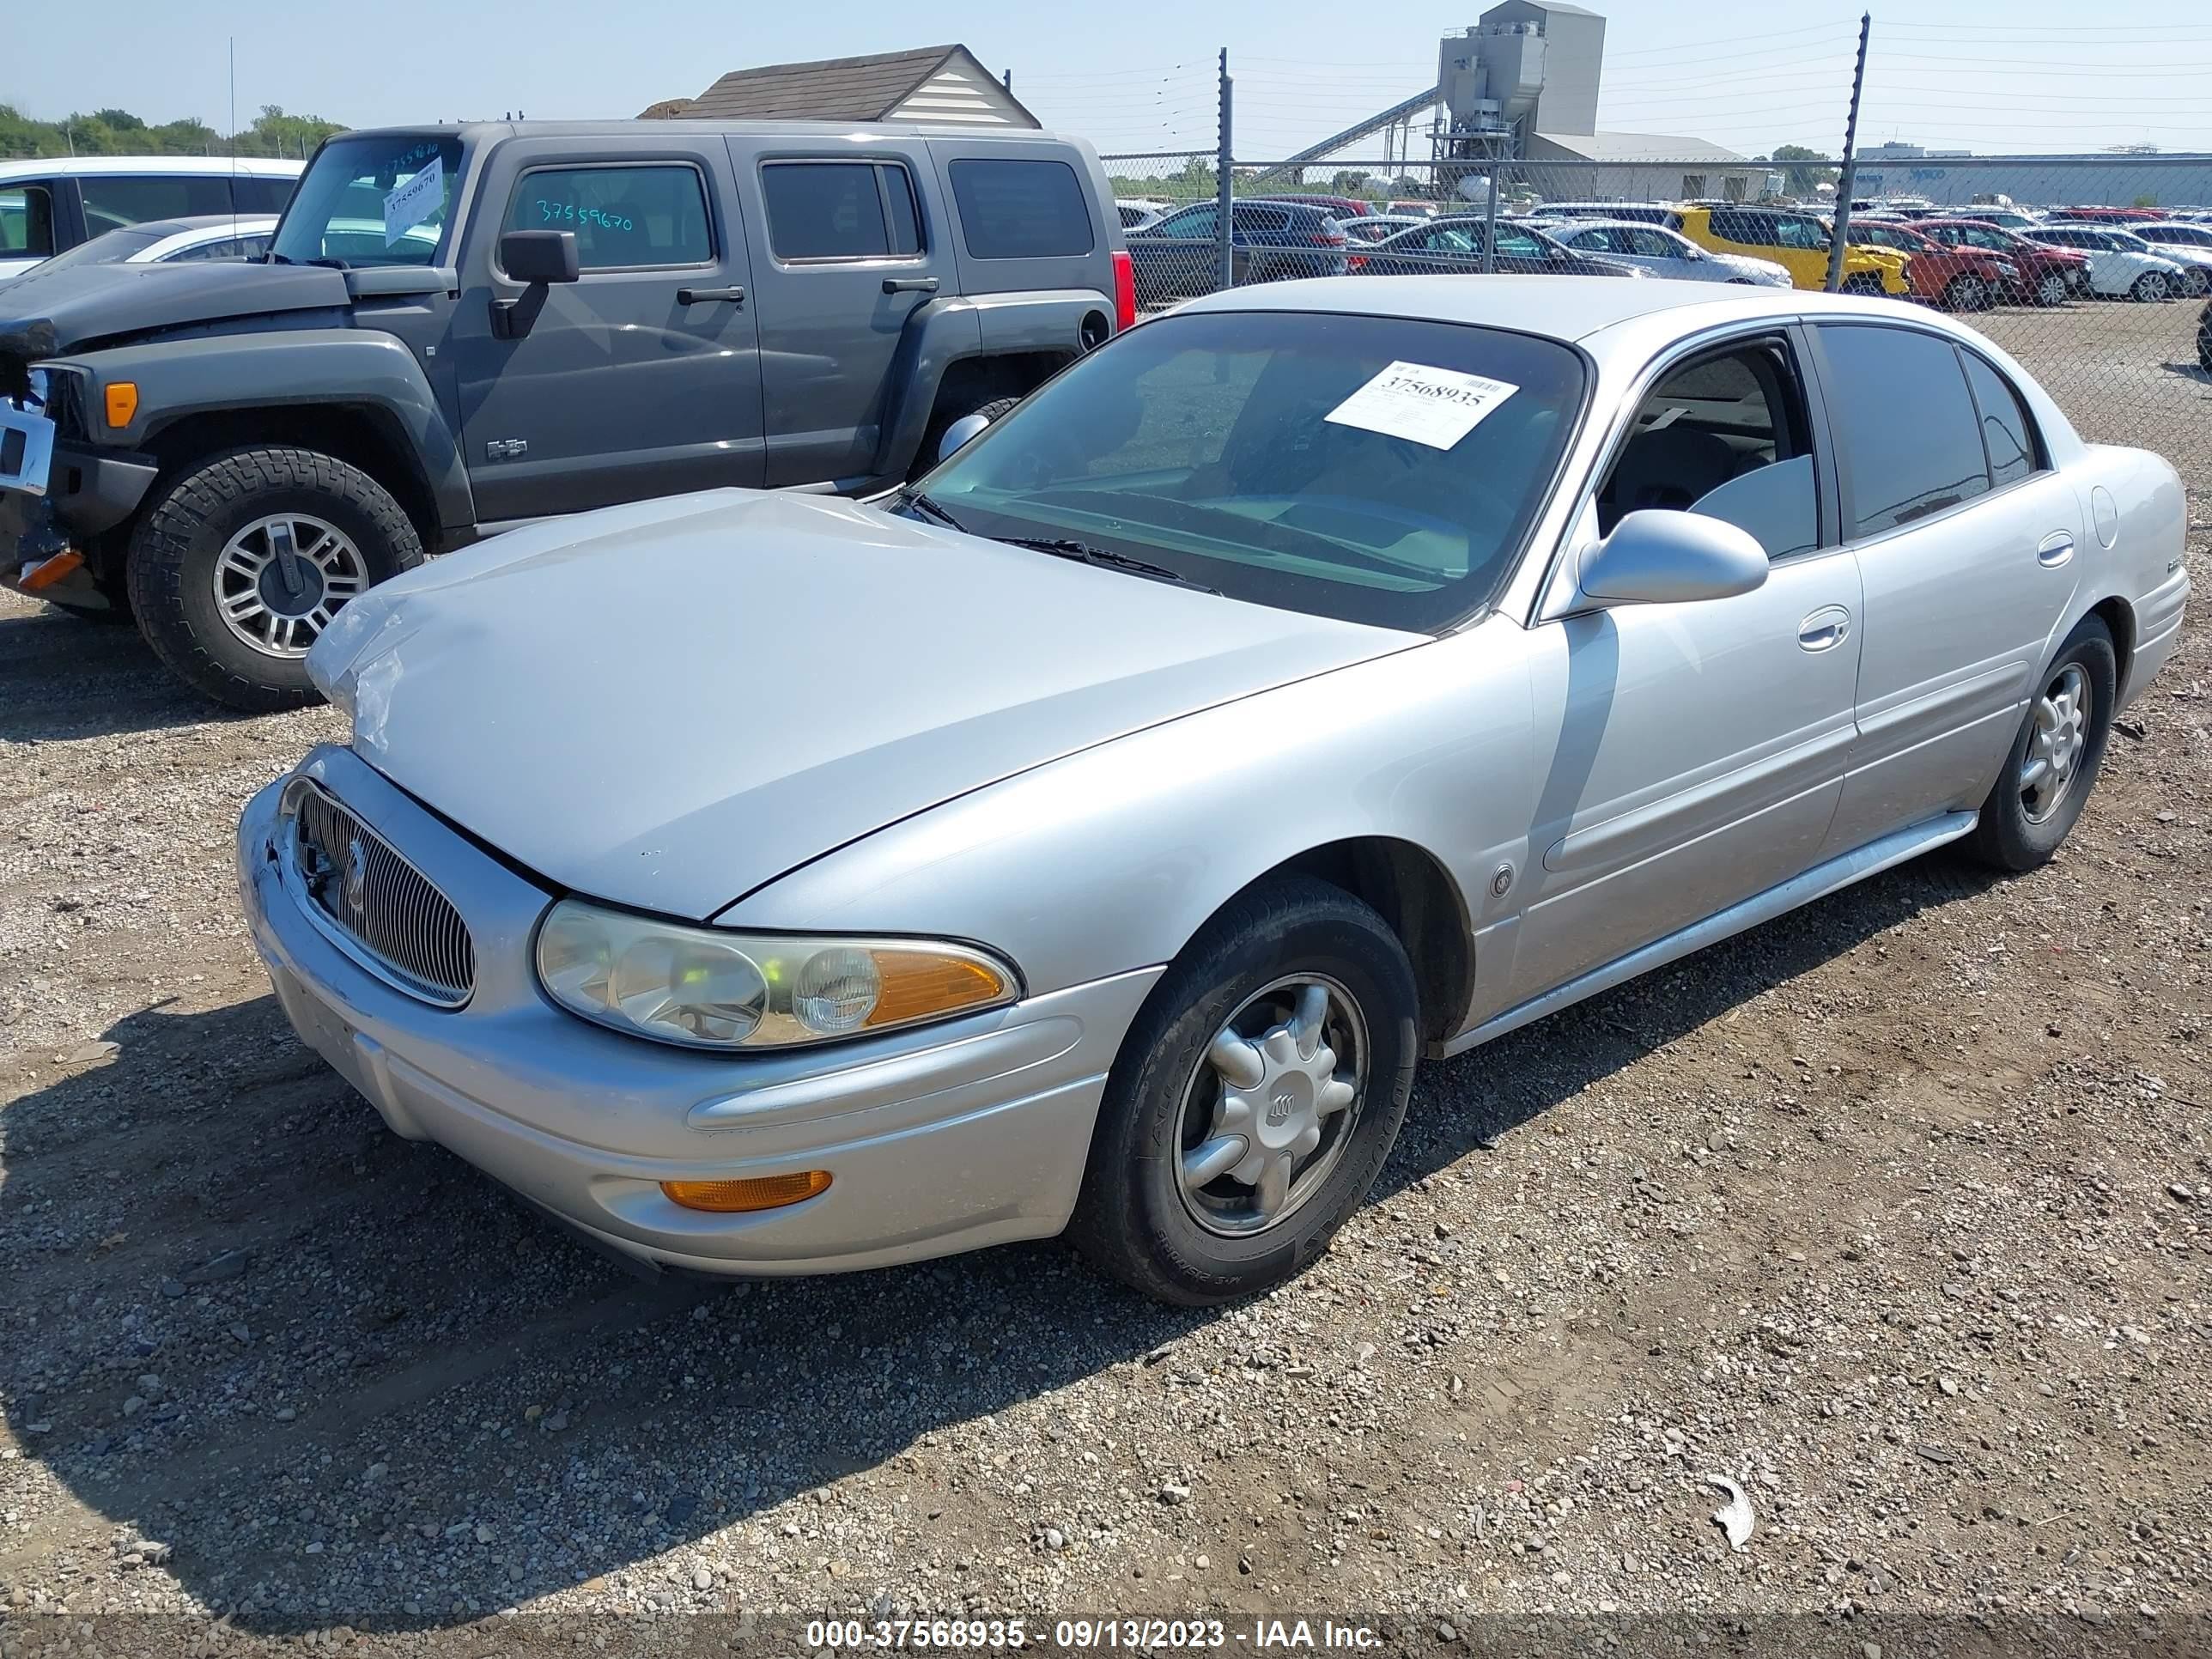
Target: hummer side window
x=840 y=210
x=624 y=216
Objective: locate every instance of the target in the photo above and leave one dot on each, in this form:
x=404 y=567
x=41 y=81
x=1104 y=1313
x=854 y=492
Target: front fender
x=325 y=367
x=1111 y=858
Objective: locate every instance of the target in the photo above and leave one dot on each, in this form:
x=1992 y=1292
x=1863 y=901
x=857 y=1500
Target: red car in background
x=2047 y=275
x=1956 y=278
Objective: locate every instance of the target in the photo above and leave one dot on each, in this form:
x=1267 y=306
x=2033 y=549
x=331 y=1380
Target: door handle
x=1825 y=628
x=707 y=296
x=2054 y=549
x=909 y=285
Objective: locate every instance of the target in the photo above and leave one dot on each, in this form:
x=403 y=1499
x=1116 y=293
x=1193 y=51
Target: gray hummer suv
x=461 y=327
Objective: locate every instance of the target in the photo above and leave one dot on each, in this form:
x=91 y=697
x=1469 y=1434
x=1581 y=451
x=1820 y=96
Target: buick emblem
x=355 y=892
x=1279 y=1108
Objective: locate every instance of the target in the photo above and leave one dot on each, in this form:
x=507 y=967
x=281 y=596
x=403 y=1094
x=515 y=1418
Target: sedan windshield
x=376 y=199
x=109 y=248
x=1374 y=469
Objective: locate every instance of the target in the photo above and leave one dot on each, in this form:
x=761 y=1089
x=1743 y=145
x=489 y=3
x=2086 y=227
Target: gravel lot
x=1898 y=1212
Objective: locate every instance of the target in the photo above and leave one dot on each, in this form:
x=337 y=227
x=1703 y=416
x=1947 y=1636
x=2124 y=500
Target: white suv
x=50 y=205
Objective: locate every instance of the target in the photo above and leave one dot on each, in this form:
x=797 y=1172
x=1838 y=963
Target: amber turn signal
x=122 y=399
x=735 y=1197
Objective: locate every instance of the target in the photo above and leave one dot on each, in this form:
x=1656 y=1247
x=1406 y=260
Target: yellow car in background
x=1796 y=242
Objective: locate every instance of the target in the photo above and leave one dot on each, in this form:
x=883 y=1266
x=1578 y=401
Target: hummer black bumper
x=87 y=494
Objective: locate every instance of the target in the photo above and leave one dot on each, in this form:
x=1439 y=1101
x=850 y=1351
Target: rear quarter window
x=1021 y=210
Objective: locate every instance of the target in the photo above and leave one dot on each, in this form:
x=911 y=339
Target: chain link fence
x=2095 y=271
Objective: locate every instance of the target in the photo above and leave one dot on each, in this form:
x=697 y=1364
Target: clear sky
x=1991 y=76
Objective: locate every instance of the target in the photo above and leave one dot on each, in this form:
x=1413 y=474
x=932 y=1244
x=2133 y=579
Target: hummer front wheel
x=246 y=557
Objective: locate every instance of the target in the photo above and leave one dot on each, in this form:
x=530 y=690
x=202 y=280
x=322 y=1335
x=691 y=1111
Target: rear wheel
x=1864 y=282
x=934 y=439
x=2054 y=758
x=2151 y=287
x=245 y=558
x=1254 y=1100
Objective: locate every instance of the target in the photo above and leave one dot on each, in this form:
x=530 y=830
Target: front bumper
x=949 y=1138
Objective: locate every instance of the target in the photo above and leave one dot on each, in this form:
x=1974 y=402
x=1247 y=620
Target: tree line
x=118 y=132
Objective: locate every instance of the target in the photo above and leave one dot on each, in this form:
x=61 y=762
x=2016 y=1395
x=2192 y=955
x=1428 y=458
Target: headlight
x=705 y=988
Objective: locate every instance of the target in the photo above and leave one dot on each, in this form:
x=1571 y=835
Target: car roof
x=1581 y=225
x=161 y=227
x=1569 y=308
x=55 y=167
x=494 y=132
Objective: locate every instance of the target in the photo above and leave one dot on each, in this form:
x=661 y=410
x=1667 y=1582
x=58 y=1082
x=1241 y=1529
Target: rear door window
x=112 y=200
x=840 y=210
x=27 y=222
x=1906 y=426
x=258 y=195
x=1022 y=210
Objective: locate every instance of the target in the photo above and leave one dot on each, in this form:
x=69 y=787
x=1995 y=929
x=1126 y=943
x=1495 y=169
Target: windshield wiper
x=930 y=509
x=1062 y=548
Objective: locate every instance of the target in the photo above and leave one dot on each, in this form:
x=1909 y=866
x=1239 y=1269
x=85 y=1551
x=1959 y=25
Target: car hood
x=668 y=705
x=44 y=313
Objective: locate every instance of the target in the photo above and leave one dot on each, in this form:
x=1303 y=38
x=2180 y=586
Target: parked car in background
x=1956 y=277
x=2117 y=271
x=1419 y=209
x=1457 y=244
x=1647 y=213
x=1139 y=214
x=1337 y=207
x=2047 y=274
x=1546 y=582
x=169 y=241
x=2189 y=246
x=2005 y=218
x=462 y=326
x=1664 y=252
x=2103 y=215
x=49 y=206
x=1271 y=240
x=1376 y=225
x=1797 y=242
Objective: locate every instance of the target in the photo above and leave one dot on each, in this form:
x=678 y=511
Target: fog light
x=761 y=1192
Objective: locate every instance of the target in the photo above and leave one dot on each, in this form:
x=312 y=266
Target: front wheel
x=1254 y=1100
x=1966 y=293
x=2051 y=288
x=2150 y=286
x=2194 y=282
x=2055 y=757
x=1864 y=282
x=244 y=559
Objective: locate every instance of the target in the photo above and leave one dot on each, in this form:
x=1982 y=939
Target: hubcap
x=2052 y=290
x=1270 y=1105
x=2056 y=744
x=279 y=582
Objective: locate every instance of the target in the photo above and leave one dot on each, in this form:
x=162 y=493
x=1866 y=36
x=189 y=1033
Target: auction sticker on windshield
x=411 y=203
x=1433 y=406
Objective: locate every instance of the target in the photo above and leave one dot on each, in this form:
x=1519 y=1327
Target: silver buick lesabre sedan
x=1092 y=837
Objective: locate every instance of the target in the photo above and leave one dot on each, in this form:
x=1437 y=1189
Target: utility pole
x=1224 y=151
x=1845 y=185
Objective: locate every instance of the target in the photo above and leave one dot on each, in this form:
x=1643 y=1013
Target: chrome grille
x=377 y=902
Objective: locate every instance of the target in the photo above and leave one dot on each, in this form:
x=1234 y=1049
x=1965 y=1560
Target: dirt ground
x=1896 y=1212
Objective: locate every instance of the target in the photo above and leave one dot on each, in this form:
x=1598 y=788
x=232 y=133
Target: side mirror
x=960 y=433
x=539 y=256
x=1663 y=557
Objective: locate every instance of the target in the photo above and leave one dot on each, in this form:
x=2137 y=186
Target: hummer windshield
x=372 y=199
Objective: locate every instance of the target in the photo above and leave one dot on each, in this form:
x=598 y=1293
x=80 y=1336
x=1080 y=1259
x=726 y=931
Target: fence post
x=1224 y=149
x=1490 y=221
x=1848 y=182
